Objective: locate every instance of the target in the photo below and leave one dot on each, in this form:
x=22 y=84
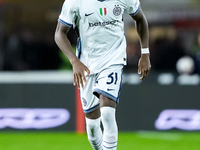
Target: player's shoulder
x=72 y=2
x=130 y=1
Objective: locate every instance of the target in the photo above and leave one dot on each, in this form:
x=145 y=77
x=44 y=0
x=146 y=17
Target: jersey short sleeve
x=68 y=13
x=132 y=6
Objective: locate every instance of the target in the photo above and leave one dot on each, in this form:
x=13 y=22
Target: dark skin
x=144 y=64
x=79 y=68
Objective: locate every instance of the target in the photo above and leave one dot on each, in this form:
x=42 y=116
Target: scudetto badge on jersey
x=103 y=11
x=117 y=10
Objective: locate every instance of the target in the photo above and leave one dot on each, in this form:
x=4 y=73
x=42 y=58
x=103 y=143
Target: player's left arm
x=144 y=64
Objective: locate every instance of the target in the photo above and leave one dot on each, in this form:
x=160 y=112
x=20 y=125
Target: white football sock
x=110 y=133
x=94 y=133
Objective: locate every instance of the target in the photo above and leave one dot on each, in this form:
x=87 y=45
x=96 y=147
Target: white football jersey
x=102 y=41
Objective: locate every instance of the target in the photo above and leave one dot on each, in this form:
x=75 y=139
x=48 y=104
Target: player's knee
x=107 y=116
x=92 y=125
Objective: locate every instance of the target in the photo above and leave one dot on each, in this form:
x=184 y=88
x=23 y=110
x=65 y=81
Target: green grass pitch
x=142 y=140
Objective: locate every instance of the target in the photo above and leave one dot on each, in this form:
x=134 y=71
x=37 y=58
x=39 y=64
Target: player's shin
x=94 y=133
x=110 y=134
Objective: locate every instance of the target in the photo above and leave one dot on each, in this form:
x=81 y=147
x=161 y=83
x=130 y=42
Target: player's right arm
x=134 y=9
x=64 y=44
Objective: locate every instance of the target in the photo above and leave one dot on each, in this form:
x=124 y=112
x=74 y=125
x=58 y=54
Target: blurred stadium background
x=39 y=106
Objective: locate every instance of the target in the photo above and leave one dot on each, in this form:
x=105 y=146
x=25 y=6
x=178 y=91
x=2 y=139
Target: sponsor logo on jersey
x=117 y=10
x=103 y=11
x=103 y=23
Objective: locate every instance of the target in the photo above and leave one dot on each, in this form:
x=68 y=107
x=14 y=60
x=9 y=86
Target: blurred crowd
x=22 y=50
x=167 y=45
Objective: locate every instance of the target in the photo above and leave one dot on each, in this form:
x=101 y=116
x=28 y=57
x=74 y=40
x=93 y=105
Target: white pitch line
x=159 y=135
x=36 y=77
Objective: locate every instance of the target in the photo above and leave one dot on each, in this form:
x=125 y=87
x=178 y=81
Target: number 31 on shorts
x=113 y=78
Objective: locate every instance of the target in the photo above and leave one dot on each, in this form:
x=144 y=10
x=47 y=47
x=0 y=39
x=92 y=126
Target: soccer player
x=99 y=60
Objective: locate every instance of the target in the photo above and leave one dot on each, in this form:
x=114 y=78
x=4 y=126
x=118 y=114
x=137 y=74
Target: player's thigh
x=90 y=103
x=108 y=84
x=105 y=101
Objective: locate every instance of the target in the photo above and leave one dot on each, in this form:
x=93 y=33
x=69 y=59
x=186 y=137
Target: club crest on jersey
x=117 y=10
x=103 y=11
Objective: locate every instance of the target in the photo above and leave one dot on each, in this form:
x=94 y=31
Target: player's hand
x=144 y=66
x=79 y=73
